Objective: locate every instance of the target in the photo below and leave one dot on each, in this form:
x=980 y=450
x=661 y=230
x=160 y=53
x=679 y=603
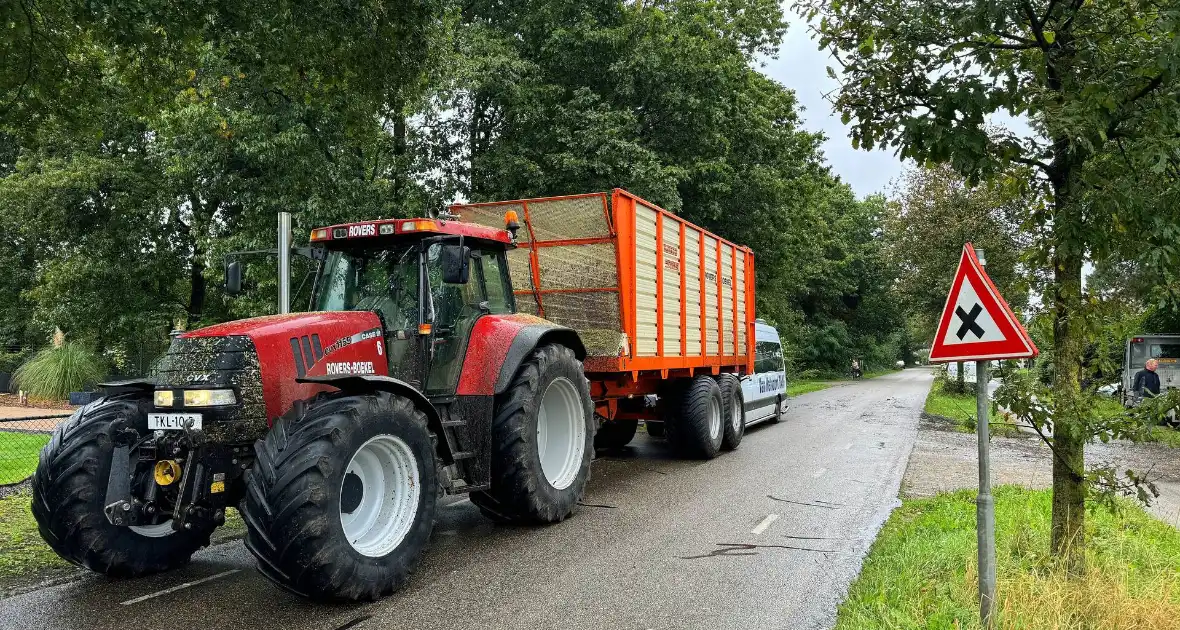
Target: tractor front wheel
x=542 y=441
x=341 y=500
x=69 y=491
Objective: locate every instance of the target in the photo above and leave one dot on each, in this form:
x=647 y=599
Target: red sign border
x=1016 y=343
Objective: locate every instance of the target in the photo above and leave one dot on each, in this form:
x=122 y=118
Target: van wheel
x=616 y=434
x=733 y=414
x=777 y=416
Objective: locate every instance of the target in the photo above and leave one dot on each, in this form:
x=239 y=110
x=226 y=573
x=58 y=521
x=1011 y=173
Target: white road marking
x=770 y=518
x=180 y=587
x=819 y=473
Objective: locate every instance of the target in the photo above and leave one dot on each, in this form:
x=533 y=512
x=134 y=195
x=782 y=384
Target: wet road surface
x=768 y=536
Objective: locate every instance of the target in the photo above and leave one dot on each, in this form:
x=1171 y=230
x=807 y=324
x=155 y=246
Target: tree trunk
x=962 y=378
x=1069 y=436
x=196 y=295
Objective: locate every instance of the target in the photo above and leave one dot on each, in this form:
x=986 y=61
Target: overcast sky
x=802 y=67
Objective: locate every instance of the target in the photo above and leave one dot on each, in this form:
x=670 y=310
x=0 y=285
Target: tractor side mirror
x=233 y=278
x=455 y=263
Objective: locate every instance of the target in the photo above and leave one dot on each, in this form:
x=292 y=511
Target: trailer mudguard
x=500 y=343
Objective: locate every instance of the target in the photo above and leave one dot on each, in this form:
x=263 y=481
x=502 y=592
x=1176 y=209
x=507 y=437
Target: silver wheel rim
x=390 y=490
x=736 y=411
x=714 y=411
x=159 y=530
x=561 y=433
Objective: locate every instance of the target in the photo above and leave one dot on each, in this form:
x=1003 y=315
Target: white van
x=765 y=391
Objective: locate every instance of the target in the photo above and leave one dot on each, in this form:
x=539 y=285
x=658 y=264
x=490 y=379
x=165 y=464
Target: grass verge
x=24 y=557
x=805 y=386
x=18 y=454
x=795 y=388
x=1166 y=436
x=921 y=571
x=959 y=410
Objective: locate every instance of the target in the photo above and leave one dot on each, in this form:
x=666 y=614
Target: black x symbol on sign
x=969 y=321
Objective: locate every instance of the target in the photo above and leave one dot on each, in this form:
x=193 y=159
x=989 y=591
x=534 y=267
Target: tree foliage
x=1096 y=79
x=141 y=142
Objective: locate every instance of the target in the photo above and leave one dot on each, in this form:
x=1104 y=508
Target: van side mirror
x=233 y=278
x=455 y=261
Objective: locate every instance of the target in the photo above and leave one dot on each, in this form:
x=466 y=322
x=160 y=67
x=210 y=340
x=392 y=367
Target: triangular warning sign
x=976 y=323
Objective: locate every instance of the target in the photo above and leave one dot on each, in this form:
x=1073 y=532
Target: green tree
x=1095 y=78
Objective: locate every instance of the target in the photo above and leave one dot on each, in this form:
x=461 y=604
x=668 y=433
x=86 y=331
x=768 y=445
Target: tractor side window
x=495 y=277
x=455 y=307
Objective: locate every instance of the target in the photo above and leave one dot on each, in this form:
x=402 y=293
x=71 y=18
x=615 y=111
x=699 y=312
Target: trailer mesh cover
x=566 y=268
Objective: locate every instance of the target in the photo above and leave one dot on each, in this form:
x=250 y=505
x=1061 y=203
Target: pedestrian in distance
x=1147 y=382
x=856 y=371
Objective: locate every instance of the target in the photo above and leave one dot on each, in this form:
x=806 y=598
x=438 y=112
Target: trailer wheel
x=542 y=441
x=340 y=502
x=696 y=431
x=655 y=428
x=615 y=434
x=69 y=490
x=734 y=414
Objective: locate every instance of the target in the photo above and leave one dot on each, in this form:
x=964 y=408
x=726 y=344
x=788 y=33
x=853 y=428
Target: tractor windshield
x=384 y=281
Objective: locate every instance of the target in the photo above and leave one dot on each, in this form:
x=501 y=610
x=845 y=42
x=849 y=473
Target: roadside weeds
x=921 y=569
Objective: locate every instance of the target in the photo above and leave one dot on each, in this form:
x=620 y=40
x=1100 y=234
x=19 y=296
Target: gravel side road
x=944 y=460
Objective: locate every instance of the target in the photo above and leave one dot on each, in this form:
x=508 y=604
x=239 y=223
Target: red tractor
x=337 y=430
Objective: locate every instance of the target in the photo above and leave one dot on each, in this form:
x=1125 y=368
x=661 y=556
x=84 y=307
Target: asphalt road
x=655 y=546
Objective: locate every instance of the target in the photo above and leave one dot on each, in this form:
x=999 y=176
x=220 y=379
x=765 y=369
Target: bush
x=55 y=372
x=9 y=361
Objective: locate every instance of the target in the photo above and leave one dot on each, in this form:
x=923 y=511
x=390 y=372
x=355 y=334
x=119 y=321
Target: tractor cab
x=428 y=280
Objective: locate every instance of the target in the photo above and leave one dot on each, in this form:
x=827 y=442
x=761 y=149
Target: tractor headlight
x=209 y=397
x=164 y=398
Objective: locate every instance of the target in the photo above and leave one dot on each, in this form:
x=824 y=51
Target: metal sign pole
x=985 y=507
x=284 y=238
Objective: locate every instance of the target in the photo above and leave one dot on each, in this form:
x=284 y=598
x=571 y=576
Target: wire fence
x=21 y=440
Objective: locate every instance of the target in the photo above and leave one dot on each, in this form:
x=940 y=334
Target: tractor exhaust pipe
x=284 y=262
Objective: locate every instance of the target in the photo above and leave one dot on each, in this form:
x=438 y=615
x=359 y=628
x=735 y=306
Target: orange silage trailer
x=657 y=301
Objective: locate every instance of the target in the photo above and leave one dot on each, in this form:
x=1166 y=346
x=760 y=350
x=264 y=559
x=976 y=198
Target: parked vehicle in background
x=444 y=357
x=765 y=391
x=1165 y=349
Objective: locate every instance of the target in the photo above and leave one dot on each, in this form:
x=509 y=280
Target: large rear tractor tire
x=695 y=431
x=341 y=500
x=542 y=441
x=69 y=491
x=613 y=435
x=734 y=416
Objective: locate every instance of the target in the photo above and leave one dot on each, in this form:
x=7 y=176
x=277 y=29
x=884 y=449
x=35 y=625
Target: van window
x=768 y=357
x=1165 y=351
x=1141 y=352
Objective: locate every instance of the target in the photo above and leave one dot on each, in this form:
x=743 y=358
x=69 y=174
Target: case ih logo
x=367 y=229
